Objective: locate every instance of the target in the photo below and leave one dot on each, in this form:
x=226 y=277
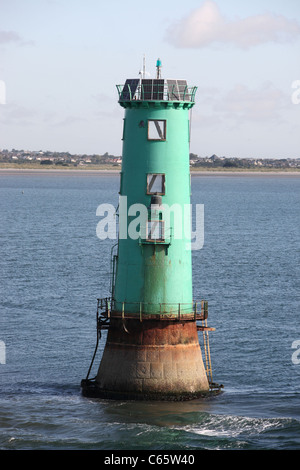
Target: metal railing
x=108 y=308
x=160 y=92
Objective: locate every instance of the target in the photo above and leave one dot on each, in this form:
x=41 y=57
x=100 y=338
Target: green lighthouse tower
x=152 y=349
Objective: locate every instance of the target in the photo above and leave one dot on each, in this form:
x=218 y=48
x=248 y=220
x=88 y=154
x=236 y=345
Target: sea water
x=53 y=267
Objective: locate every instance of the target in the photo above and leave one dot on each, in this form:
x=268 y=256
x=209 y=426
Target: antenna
x=158 y=68
x=143 y=72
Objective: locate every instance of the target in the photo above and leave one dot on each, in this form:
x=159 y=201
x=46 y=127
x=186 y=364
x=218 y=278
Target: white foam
x=234 y=426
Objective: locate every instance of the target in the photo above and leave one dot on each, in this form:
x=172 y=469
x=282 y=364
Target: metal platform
x=199 y=314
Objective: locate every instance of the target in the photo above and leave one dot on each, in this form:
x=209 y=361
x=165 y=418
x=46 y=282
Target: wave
x=247 y=432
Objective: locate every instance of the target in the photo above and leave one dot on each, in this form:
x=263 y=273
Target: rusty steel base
x=91 y=390
x=150 y=360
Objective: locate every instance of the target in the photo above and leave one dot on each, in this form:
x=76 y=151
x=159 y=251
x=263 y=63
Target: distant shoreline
x=110 y=172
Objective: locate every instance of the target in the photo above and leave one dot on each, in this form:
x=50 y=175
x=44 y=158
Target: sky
x=60 y=62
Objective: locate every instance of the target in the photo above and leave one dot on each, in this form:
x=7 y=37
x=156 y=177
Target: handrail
x=157 y=92
x=108 y=307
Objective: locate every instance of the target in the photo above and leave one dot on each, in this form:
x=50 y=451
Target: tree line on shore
x=47 y=158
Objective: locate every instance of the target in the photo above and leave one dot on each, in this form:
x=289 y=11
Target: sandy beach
x=111 y=172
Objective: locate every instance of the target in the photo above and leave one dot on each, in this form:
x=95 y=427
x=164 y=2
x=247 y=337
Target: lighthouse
x=153 y=322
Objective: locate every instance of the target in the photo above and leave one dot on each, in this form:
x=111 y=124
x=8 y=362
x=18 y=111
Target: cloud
x=261 y=104
x=69 y=121
x=206 y=26
x=9 y=36
x=13 y=114
x=241 y=106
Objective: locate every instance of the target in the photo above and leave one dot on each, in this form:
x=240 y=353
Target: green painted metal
x=155 y=272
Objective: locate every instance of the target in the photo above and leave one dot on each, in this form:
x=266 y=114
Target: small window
x=156 y=183
x=156 y=230
x=156 y=130
x=121 y=182
x=124 y=122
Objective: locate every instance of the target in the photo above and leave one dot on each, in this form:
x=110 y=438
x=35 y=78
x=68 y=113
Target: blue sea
x=53 y=267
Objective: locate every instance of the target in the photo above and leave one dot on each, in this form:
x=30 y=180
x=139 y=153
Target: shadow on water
x=197 y=424
x=157 y=413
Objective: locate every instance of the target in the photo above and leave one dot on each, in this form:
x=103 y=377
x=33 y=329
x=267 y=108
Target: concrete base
x=150 y=360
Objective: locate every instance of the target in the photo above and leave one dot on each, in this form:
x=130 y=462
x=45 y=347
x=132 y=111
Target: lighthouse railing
x=196 y=310
x=154 y=92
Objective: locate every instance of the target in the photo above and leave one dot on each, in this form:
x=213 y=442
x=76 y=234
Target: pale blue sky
x=61 y=59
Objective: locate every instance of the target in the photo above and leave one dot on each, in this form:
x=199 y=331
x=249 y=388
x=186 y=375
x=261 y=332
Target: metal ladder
x=207 y=351
x=205 y=329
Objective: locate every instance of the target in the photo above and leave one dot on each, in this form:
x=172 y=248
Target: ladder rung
x=205 y=329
